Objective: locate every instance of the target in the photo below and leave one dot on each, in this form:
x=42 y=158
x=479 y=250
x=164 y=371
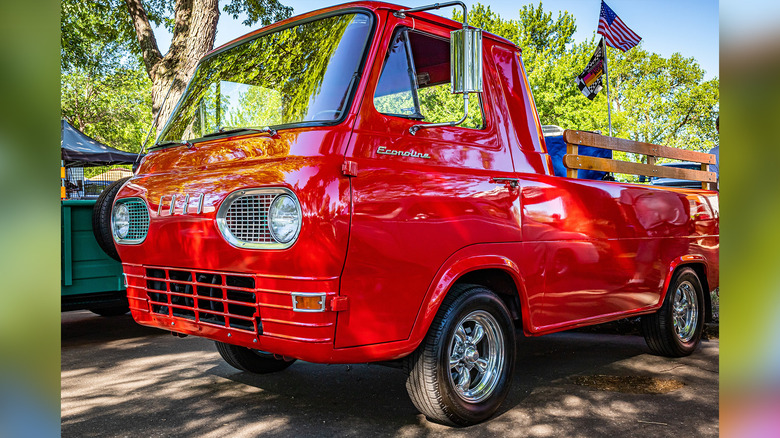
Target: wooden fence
x=572 y=161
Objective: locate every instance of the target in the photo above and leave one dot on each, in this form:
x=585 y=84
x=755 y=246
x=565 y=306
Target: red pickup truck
x=311 y=198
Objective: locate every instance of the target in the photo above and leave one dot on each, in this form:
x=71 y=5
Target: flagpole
x=606 y=73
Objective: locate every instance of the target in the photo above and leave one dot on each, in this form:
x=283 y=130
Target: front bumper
x=268 y=323
x=253 y=311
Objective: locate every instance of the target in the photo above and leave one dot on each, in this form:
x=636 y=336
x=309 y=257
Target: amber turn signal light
x=308 y=302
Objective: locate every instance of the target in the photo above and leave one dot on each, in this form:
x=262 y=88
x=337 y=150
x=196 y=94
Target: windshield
x=298 y=75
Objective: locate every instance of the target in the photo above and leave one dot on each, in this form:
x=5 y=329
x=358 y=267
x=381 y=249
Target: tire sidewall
x=479 y=299
x=689 y=275
x=253 y=361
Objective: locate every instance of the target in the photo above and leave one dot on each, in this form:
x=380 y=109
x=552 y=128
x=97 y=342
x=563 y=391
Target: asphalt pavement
x=120 y=379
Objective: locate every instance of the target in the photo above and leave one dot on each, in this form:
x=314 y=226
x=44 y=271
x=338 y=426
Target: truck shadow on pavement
x=84 y=327
x=372 y=399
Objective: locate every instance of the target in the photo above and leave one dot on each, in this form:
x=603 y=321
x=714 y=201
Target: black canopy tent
x=79 y=150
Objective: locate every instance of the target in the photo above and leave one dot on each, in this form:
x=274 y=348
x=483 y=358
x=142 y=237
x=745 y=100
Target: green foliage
x=98 y=36
x=439 y=105
x=263 y=11
x=664 y=101
x=654 y=99
x=114 y=109
x=257 y=106
x=106 y=90
x=535 y=31
x=282 y=75
x=401 y=103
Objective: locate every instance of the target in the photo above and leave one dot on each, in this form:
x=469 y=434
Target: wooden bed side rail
x=572 y=161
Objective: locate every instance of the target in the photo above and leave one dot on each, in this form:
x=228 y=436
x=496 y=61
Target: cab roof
x=369 y=5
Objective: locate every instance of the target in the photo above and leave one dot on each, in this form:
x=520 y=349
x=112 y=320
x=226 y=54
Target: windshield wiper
x=172 y=142
x=233 y=130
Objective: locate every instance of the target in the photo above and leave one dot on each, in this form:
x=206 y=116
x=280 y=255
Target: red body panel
x=411 y=214
x=389 y=235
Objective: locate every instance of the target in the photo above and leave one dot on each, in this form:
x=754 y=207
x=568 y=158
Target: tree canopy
x=654 y=99
x=110 y=61
x=102 y=41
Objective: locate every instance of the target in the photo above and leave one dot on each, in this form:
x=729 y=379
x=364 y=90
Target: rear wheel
x=462 y=371
x=675 y=329
x=253 y=361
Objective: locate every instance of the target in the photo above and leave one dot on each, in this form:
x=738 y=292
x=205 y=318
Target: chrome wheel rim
x=476 y=354
x=685 y=311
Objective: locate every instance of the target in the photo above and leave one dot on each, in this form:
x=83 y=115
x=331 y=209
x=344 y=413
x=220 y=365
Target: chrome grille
x=247 y=218
x=139 y=220
x=243 y=217
x=214 y=298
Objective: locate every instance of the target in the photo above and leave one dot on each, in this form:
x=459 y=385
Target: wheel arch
x=495 y=272
x=502 y=283
x=699 y=265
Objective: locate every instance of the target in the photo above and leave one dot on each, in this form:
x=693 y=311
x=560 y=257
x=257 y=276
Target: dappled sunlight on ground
x=149 y=383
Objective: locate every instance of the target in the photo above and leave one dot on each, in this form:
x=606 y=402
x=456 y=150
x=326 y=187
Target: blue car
x=674 y=182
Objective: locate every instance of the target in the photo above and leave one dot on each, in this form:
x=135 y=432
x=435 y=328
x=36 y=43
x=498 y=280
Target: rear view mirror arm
x=402 y=14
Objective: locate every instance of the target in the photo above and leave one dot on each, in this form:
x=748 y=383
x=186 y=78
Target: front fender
x=464 y=261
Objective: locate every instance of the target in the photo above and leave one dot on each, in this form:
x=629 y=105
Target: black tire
x=101 y=218
x=253 y=361
x=431 y=381
x=677 y=332
x=111 y=311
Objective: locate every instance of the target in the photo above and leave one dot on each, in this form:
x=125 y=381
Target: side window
x=395 y=92
x=415 y=82
x=438 y=105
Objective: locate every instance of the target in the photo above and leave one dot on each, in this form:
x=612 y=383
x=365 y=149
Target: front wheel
x=675 y=329
x=111 y=311
x=253 y=361
x=462 y=371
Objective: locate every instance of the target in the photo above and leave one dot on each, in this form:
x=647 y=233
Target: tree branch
x=149 y=50
x=684 y=121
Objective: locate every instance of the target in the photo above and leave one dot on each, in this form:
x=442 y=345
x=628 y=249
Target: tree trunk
x=195 y=29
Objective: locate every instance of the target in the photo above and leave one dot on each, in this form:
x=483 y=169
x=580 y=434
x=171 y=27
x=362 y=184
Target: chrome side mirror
x=466 y=60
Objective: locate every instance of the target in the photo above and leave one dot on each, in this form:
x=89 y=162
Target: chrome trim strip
x=186 y=204
x=274 y=306
x=231 y=239
x=173 y=203
x=297 y=324
x=240 y=274
x=200 y=204
x=296 y=338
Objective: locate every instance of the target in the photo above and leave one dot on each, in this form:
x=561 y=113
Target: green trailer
x=90 y=278
x=92 y=173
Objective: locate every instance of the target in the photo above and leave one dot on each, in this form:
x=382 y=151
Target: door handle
x=508 y=182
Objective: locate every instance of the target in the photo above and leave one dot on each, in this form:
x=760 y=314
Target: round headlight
x=284 y=218
x=120 y=222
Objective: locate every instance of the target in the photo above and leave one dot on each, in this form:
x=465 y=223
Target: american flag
x=616 y=33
